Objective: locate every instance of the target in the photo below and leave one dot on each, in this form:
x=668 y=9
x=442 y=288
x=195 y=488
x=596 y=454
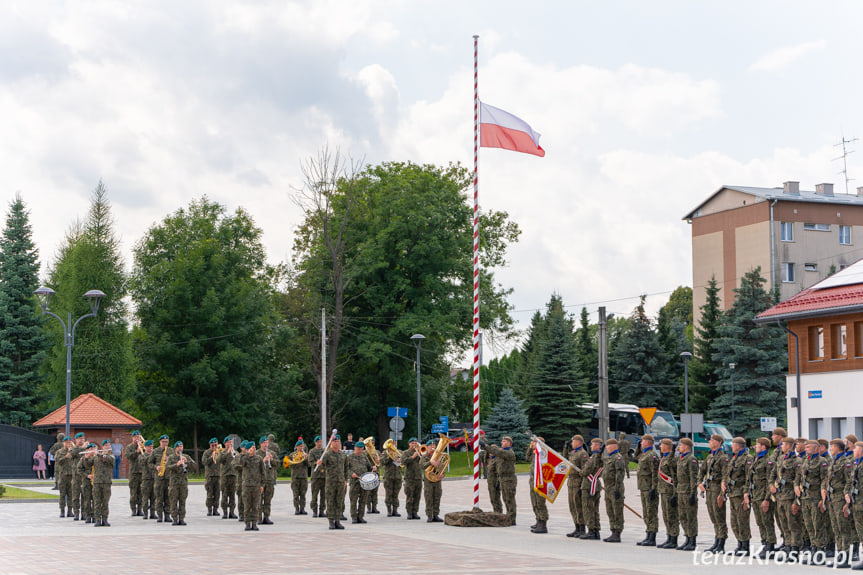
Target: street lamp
x=732 y=366
x=418 y=341
x=94 y=296
x=686 y=357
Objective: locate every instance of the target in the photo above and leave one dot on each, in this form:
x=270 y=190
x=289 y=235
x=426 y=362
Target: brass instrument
x=439 y=460
x=393 y=451
x=423 y=450
x=372 y=453
x=294 y=458
x=163 y=462
x=268 y=457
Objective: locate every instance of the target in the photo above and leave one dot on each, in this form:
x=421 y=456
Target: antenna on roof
x=844 y=157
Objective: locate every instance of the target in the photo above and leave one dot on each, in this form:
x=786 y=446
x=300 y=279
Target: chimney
x=824 y=189
x=860 y=191
x=792 y=188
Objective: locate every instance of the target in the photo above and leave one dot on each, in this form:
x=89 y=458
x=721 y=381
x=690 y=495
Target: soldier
x=800 y=453
x=590 y=492
x=503 y=463
x=77 y=473
x=852 y=495
x=734 y=486
x=161 y=479
x=238 y=465
x=212 y=472
x=178 y=483
x=667 y=474
x=778 y=434
x=432 y=490
x=687 y=489
x=334 y=465
x=623 y=445
x=786 y=505
x=824 y=451
x=709 y=483
x=613 y=474
x=268 y=455
x=148 y=471
x=272 y=445
x=103 y=471
x=228 y=478
x=254 y=471
x=486 y=460
x=537 y=502
x=413 y=479
x=579 y=458
x=392 y=478
x=758 y=496
x=132 y=453
x=648 y=483
x=372 y=494
x=63 y=467
x=832 y=493
x=358 y=464
x=300 y=479
x=807 y=487
x=55 y=447
x=319 y=481
x=86 y=465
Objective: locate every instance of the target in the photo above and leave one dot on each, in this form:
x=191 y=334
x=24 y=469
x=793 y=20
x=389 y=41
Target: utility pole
x=603 y=375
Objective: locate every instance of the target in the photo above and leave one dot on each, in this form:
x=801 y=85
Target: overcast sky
x=645 y=109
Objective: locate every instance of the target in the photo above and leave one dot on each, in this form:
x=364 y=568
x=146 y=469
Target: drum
x=370 y=480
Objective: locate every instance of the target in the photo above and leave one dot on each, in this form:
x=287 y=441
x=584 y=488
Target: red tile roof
x=813 y=302
x=91 y=411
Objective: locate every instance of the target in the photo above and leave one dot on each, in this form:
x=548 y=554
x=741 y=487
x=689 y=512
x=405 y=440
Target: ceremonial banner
x=550 y=471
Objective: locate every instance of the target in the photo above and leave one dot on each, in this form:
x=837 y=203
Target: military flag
x=550 y=471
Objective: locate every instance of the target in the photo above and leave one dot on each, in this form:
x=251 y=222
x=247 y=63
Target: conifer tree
x=638 y=365
x=508 y=418
x=704 y=367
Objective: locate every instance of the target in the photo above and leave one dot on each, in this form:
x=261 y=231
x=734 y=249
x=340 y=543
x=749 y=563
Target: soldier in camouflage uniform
x=758 y=496
x=537 y=502
x=161 y=479
x=148 y=471
x=613 y=474
x=132 y=452
x=778 y=434
x=623 y=446
x=300 y=479
x=590 y=491
x=734 y=487
x=103 y=471
x=824 y=451
x=228 y=478
x=57 y=446
x=432 y=490
x=709 y=483
x=807 y=487
x=579 y=458
x=503 y=466
x=63 y=472
x=271 y=470
x=486 y=460
x=178 y=466
x=85 y=466
x=319 y=480
x=372 y=494
x=687 y=490
x=212 y=472
x=254 y=472
x=648 y=478
x=238 y=461
x=77 y=473
x=667 y=475
x=413 y=478
x=854 y=476
x=832 y=494
x=392 y=479
x=333 y=464
x=786 y=504
x=358 y=464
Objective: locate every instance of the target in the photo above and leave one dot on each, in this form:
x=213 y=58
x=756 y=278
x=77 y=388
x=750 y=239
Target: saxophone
x=163 y=463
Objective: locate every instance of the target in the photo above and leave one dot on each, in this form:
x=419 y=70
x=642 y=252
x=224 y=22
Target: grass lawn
x=461 y=464
x=15 y=493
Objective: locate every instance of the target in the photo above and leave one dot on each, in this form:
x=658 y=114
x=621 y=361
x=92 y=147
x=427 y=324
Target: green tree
x=638 y=365
x=705 y=366
x=587 y=356
x=497 y=375
x=674 y=328
x=760 y=355
x=102 y=361
x=208 y=329
x=508 y=418
x=23 y=342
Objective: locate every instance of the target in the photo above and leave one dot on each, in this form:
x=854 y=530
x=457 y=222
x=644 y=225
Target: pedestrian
x=852 y=496
x=783 y=490
x=86 y=465
x=40 y=462
x=228 y=478
x=687 y=498
x=758 y=496
x=624 y=446
x=134 y=455
x=268 y=456
x=178 y=483
x=117 y=452
x=590 y=491
x=148 y=472
x=161 y=478
x=647 y=481
x=392 y=478
x=64 y=472
x=832 y=494
x=778 y=434
x=349 y=443
x=537 y=501
x=375 y=457
x=486 y=461
x=432 y=490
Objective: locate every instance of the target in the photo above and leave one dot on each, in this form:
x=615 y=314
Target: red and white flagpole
x=475 y=273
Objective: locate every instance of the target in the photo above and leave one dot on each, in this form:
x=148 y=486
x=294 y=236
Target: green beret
x=337 y=437
x=263 y=439
x=176 y=443
x=412 y=439
x=317 y=438
x=79 y=434
x=245 y=444
x=430 y=442
x=106 y=441
x=91 y=444
x=227 y=439
x=214 y=440
x=62 y=437
x=163 y=436
x=136 y=432
x=359 y=444
x=148 y=442
x=299 y=442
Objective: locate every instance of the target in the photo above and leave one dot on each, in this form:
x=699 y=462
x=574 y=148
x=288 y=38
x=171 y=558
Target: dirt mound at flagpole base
x=476 y=517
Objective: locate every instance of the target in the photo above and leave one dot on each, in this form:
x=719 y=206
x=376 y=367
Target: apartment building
x=797 y=237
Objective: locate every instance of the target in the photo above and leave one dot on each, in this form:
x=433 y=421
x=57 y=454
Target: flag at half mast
x=500 y=129
x=550 y=471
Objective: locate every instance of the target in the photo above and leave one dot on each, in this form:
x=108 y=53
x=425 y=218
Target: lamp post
x=603 y=418
x=686 y=357
x=418 y=341
x=94 y=296
x=732 y=366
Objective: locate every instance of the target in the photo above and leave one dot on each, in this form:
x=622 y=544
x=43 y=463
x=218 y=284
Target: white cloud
x=784 y=57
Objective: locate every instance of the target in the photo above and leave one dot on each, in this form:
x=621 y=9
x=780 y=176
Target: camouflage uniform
x=160 y=481
x=334 y=465
x=648 y=476
x=85 y=466
x=852 y=488
x=590 y=501
x=55 y=447
x=212 y=472
x=624 y=446
x=537 y=501
x=687 y=498
x=775 y=457
x=103 y=471
x=77 y=477
x=834 y=483
x=432 y=490
x=254 y=472
x=148 y=471
x=392 y=484
x=613 y=474
x=136 y=469
x=63 y=471
x=809 y=479
x=492 y=483
x=413 y=483
x=736 y=472
x=300 y=484
x=178 y=487
x=358 y=464
x=668 y=467
x=503 y=468
x=579 y=459
x=227 y=481
x=238 y=466
x=319 y=483
x=711 y=473
x=758 y=484
x=271 y=472
x=785 y=498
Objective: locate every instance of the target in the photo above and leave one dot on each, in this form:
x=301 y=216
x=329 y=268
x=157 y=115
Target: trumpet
x=294 y=458
x=268 y=459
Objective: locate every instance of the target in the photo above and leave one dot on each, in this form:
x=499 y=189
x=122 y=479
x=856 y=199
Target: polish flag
x=500 y=129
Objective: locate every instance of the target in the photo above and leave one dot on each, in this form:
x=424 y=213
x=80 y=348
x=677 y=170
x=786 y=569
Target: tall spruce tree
x=674 y=328
x=508 y=418
x=760 y=355
x=704 y=367
x=587 y=356
x=23 y=342
x=638 y=365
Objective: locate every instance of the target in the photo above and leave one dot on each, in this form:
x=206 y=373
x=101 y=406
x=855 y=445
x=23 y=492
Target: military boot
x=540 y=527
x=232 y=515
x=614 y=537
x=266 y=520
x=767 y=549
x=670 y=543
x=216 y=512
x=644 y=541
x=857 y=566
x=683 y=546
x=62 y=513
x=396 y=513
x=248 y=526
x=332 y=524
x=593 y=534
x=152 y=514
x=691 y=545
x=255 y=526
x=651 y=540
x=720 y=545
x=742 y=548
x=339 y=525
x=574 y=533
x=209 y=512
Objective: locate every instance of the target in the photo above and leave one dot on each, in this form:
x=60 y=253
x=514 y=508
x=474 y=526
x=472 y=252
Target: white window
x=845 y=235
x=786 y=230
x=810 y=267
x=788 y=273
x=817 y=227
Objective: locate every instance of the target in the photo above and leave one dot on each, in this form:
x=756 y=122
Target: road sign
x=444 y=420
x=647 y=414
x=768 y=423
x=397 y=412
x=691 y=422
x=397 y=424
x=815 y=394
x=439 y=428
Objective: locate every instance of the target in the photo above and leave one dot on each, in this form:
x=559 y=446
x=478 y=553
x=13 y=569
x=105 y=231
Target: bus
x=625 y=418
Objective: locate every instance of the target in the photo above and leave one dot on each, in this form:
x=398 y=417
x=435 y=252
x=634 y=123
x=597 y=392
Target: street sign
x=397 y=424
x=647 y=414
x=691 y=422
x=768 y=423
x=444 y=420
x=397 y=412
x=439 y=428
x=815 y=394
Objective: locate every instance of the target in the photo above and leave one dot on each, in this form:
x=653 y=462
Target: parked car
x=700 y=440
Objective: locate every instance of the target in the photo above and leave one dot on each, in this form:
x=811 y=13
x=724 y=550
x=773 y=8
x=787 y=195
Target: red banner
x=550 y=471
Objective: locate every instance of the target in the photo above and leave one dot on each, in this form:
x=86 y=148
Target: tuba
x=372 y=453
x=439 y=460
x=294 y=458
x=393 y=451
